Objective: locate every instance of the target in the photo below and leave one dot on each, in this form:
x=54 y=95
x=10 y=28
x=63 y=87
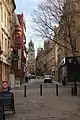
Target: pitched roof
x=15 y=19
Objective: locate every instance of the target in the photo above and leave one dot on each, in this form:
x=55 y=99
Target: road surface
x=35 y=83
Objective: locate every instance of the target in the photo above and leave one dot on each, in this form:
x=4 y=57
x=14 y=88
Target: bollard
x=13 y=105
x=75 y=89
x=25 y=91
x=72 y=92
x=40 y=90
x=3 y=112
x=56 y=89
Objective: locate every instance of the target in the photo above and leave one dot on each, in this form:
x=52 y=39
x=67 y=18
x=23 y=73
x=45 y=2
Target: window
x=5 y=18
x=9 y=25
x=6 y=46
x=31 y=56
x=18 y=40
x=2 y=42
x=1 y=13
x=7 y=1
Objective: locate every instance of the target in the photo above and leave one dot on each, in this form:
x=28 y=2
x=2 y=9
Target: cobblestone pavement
x=46 y=107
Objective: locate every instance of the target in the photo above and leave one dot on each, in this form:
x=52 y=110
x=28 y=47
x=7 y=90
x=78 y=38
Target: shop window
x=5 y=18
x=2 y=42
x=6 y=46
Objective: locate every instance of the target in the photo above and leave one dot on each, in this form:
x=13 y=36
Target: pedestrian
x=64 y=80
x=26 y=79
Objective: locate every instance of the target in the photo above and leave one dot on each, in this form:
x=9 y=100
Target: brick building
x=20 y=49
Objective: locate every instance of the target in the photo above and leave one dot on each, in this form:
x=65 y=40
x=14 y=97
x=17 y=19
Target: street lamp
x=53 y=73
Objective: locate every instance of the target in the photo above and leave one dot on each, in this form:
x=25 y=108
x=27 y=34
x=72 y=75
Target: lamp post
x=53 y=73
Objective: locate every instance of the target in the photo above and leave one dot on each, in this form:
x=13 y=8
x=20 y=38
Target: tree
x=62 y=13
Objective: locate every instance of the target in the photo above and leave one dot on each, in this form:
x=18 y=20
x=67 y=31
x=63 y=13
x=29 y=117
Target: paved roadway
x=45 y=107
x=35 y=83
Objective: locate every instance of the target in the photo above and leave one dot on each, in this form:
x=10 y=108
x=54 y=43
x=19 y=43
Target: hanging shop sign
x=19 y=61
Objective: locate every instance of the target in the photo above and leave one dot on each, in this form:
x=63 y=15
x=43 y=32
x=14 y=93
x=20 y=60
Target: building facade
x=13 y=58
x=19 y=64
x=45 y=61
x=68 y=32
x=6 y=11
x=39 y=62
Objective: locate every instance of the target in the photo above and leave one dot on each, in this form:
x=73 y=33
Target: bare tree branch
x=51 y=12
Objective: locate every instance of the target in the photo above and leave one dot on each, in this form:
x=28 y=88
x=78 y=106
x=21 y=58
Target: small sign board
x=8 y=101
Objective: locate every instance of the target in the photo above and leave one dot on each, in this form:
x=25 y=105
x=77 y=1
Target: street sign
x=4 y=84
x=16 y=58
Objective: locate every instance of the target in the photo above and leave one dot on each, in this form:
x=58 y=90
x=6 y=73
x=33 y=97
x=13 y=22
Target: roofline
x=14 y=4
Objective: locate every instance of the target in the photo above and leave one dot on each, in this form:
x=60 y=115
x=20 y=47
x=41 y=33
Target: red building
x=19 y=63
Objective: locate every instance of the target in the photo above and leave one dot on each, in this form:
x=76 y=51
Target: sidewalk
x=46 y=107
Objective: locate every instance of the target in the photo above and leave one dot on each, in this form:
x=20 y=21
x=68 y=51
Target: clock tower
x=31 y=58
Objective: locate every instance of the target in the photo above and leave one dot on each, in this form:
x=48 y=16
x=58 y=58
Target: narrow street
x=45 y=107
x=40 y=59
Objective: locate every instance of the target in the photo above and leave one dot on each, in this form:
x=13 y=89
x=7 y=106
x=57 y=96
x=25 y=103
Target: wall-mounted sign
x=19 y=61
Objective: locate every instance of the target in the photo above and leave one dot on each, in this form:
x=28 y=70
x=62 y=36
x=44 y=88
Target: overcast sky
x=27 y=7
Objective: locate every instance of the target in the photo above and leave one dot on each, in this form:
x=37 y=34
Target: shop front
x=4 y=70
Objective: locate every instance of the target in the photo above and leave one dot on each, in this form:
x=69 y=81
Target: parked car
x=33 y=76
x=47 y=79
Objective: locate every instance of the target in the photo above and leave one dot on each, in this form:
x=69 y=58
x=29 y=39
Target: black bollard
x=25 y=91
x=40 y=90
x=72 y=92
x=75 y=89
x=3 y=113
x=56 y=89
